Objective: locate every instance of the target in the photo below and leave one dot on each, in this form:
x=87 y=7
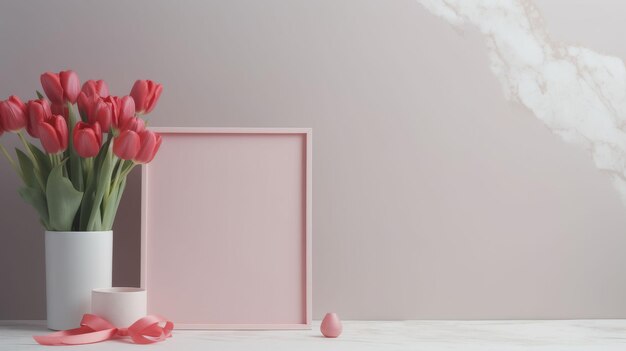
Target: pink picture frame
x=226 y=228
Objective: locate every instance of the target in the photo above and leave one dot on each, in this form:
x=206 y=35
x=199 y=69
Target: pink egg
x=331 y=325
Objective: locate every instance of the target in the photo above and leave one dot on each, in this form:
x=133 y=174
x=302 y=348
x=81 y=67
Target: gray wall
x=434 y=197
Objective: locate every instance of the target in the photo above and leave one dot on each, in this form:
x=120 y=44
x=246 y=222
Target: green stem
x=117 y=173
x=112 y=197
x=51 y=159
x=11 y=161
x=30 y=152
x=90 y=183
x=74 y=166
x=109 y=186
x=101 y=183
x=115 y=182
x=87 y=169
x=128 y=170
x=33 y=159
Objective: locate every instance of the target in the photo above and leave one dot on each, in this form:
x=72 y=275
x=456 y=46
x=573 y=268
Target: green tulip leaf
x=75 y=163
x=104 y=173
x=28 y=170
x=97 y=223
x=112 y=205
x=36 y=198
x=63 y=200
x=42 y=160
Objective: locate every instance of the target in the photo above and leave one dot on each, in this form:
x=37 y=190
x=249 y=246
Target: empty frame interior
x=226 y=228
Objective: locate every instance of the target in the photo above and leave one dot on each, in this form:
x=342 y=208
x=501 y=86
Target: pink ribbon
x=146 y=330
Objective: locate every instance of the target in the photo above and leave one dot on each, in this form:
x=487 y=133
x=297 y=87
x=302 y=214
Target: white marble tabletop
x=588 y=335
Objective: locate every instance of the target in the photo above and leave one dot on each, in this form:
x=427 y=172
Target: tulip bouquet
x=91 y=141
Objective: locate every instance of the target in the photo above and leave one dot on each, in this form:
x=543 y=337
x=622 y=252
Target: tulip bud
x=126 y=145
x=51 y=84
x=135 y=124
x=146 y=93
x=96 y=109
x=70 y=84
x=38 y=111
x=53 y=134
x=125 y=110
x=61 y=87
x=87 y=139
x=102 y=113
x=95 y=87
x=13 y=113
x=122 y=109
x=84 y=102
x=60 y=109
x=150 y=143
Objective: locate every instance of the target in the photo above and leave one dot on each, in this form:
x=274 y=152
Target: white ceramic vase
x=76 y=263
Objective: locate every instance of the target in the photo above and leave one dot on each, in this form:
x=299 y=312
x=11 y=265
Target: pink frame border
x=307 y=132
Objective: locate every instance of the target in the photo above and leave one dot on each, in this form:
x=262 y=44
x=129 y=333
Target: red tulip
x=13 y=113
x=114 y=101
x=146 y=94
x=38 y=111
x=136 y=124
x=70 y=84
x=103 y=114
x=51 y=84
x=149 y=146
x=125 y=111
x=87 y=139
x=53 y=134
x=61 y=87
x=60 y=109
x=126 y=145
x=95 y=109
x=85 y=103
x=96 y=87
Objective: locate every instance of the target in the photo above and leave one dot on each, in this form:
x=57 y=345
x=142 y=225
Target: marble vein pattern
x=573 y=335
x=578 y=93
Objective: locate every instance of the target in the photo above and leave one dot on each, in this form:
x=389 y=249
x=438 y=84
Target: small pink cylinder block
x=331 y=325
